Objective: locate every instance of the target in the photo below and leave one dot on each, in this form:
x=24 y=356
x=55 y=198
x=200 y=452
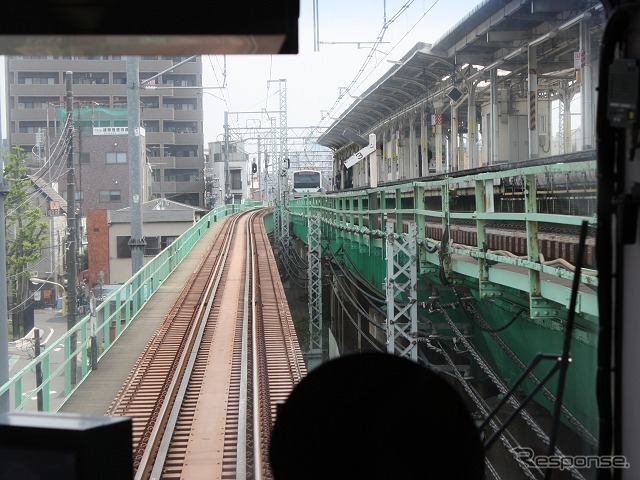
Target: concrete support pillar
x=386 y=154
x=566 y=124
x=438 y=135
x=472 y=136
x=413 y=148
x=587 y=91
x=395 y=154
x=424 y=143
x=453 y=159
x=494 y=138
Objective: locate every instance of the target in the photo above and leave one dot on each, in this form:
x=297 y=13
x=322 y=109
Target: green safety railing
x=110 y=319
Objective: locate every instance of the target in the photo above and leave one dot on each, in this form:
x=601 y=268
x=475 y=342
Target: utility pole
x=79 y=189
x=72 y=238
x=134 y=157
x=137 y=241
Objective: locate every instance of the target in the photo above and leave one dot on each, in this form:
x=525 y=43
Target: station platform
x=96 y=393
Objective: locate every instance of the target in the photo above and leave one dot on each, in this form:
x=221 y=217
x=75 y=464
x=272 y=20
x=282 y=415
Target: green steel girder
x=501 y=288
x=428 y=268
x=352 y=217
x=579 y=335
x=559 y=272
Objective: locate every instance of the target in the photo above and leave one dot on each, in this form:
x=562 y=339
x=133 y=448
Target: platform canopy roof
x=496 y=34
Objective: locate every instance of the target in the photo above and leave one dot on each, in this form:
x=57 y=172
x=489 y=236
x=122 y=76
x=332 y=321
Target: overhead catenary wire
x=355 y=82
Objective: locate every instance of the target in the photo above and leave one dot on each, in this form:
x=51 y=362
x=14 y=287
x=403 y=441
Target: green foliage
x=26 y=232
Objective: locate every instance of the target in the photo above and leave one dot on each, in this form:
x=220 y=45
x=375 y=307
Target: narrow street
x=51 y=325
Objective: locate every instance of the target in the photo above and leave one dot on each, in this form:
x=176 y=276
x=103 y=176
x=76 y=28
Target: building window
x=153 y=247
x=116 y=157
x=148 y=102
x=30 y=104
x=184 y=151
x=181 y=175
x=36 y=80
x=166 y=241
x=123 y=250
x=236 y=179
x=32 y=127
x=119 y=78
x=152 y=126
x=542 y=124
x=180 y=127
x=110 y=196
x=79 y=194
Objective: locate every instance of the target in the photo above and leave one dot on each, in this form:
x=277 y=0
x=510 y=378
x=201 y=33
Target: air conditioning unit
x=34 y=273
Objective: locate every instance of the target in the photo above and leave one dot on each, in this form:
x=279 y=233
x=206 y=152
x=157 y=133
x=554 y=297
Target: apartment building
x=171 y=116
x=233 y=155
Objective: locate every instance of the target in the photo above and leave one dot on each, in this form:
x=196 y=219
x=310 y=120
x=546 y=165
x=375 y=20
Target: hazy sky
x=313 y=77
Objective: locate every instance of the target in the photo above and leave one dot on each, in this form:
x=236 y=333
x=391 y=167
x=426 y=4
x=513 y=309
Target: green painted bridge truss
x=469 y=307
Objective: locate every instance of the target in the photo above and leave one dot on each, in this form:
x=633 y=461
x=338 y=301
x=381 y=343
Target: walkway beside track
x=95 y=394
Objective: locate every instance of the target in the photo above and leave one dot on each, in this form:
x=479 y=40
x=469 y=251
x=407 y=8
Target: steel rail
x=202 y=314
x=157 y=370
x=203 y=403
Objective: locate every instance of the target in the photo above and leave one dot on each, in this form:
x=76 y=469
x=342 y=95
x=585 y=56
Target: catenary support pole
x=227 y=180
x=134 y=153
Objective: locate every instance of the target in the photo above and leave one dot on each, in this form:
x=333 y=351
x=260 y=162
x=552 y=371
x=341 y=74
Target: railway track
x=203 y=395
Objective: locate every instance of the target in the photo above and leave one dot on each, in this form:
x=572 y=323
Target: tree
x=26 y=233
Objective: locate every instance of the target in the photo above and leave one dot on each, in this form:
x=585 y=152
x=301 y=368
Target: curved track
x=203 y=395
